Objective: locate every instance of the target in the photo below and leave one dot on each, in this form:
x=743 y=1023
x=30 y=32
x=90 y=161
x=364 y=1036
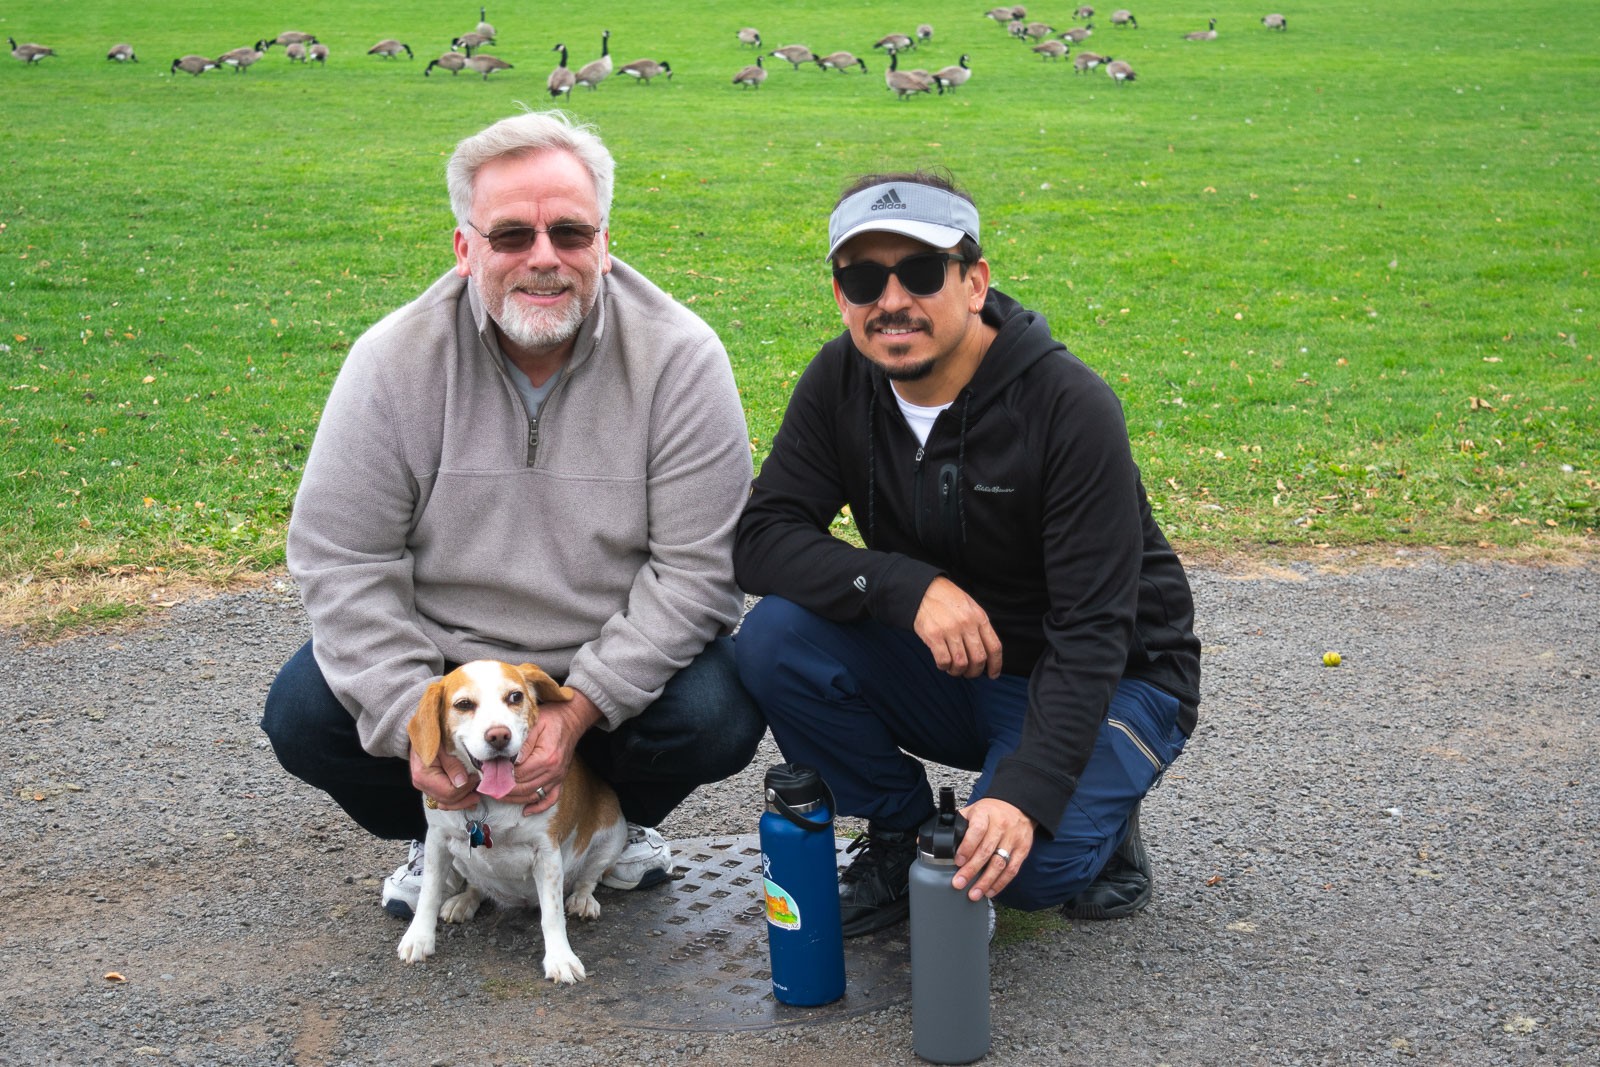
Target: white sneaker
x=402 y=888
x=645 y=861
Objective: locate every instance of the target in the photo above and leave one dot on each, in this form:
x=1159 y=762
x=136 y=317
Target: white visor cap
x=921 y=212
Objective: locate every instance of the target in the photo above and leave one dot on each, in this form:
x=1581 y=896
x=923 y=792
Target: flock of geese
x=466 y=53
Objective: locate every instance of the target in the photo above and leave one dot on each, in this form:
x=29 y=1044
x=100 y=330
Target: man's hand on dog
x=548 y=752
x=541 y=764
x=445 y=782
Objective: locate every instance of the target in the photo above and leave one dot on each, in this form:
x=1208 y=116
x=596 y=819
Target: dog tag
x=478 y=835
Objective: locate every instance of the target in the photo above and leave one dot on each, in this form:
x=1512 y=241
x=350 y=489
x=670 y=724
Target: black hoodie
x=1025 y=495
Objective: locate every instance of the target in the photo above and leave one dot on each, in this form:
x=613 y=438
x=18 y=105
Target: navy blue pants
x=703 y=728
x=865 y=704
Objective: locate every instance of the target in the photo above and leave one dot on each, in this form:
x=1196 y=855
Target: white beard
x=537 y=328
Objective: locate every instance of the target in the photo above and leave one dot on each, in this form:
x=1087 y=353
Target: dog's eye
x=514 y=697
x=465 y=704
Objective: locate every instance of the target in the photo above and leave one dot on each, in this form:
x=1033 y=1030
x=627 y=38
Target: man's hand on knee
x=957 y=631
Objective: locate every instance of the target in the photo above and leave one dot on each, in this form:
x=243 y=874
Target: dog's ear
x=544 y=687
x=426 y=728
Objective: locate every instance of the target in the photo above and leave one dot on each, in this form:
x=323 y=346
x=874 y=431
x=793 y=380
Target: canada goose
x=484 y=28
x=752 y=77
x=289 y=37
x=562 y=79
x=196 y=65
x=1051 y=49
x=1119 y=71
x=1085 y=12
x=750 y=36
x=794 y=53
x=1124 y=17
x=1078 y=34
x=486 y=65
x=924 y=33
x=29 y=53
x=840 y=60
x=239 y=59
x=1275 y=22
x=454 y=62
x=951 y=77
x=895 y=42
x=389 y=48
x=904 y=82
x=596 y=71
x=122 y=53
x=469 y=42
x=1016 y=28
x=1001 y=15
x=1018 y=11
x=296 y=51
x=1203 y=35
x=1038 y=30
x=645 y=69
x=1087 y=61
x=319 y=54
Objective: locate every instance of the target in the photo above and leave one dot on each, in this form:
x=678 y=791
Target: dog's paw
x=461 y=907
x=416 y=946
x=583 y=906
x=564 y=968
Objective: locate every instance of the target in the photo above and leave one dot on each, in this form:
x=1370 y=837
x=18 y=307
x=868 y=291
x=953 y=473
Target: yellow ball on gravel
x=1331 y=659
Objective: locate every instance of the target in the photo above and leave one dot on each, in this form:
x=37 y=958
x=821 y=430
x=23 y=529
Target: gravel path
x=1390 y=860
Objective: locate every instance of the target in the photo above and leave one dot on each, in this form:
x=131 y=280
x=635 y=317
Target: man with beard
x=540 y=459
x=1015 y=611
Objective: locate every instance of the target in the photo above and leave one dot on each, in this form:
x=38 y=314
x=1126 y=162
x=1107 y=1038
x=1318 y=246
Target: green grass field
x=1342 y=276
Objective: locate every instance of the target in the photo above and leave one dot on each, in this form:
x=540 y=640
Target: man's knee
x=1051 y=877
x=296 y=717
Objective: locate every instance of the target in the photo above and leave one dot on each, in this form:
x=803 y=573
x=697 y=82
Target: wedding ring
x=1003 y=856
x=432 y=803
x=539 y=792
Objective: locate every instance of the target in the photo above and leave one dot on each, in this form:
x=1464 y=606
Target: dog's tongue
x=498 y=778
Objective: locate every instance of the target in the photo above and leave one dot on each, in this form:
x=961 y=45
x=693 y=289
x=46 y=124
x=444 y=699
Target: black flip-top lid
x=796 y=783
x=941 y=835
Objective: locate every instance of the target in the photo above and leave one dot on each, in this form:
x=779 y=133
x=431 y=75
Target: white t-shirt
x=920 y=418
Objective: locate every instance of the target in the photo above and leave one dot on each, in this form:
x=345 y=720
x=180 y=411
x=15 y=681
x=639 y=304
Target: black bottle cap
x=797 y=784
x=941 y=835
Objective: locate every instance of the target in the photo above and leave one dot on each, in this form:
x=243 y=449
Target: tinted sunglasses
x=569 y=236
x=922 y=274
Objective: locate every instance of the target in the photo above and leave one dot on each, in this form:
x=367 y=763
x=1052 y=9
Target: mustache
x=554 y=279
x=898 y=320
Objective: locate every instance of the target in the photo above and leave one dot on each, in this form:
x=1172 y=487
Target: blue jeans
x=703 y=728
x=864 y=704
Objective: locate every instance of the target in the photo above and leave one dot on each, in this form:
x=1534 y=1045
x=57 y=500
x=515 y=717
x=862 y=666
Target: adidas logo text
x=890 y=201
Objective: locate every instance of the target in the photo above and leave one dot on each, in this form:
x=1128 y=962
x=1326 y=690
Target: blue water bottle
x=799 y=864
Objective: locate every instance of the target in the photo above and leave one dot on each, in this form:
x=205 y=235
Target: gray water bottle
x=949 y=948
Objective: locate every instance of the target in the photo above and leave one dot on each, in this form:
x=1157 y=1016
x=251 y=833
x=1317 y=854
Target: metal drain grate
x=692 y=955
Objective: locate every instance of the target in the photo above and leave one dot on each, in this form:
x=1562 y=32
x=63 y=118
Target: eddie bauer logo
x=994 y=489
x=890 y=201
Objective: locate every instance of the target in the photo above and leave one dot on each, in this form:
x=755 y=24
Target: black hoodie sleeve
x=784 y=546
x=1092 y=542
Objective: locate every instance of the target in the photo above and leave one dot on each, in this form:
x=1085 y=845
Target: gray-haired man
x=542 y=459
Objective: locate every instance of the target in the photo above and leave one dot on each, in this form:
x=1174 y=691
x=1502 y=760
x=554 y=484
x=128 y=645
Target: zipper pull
x=918 y=458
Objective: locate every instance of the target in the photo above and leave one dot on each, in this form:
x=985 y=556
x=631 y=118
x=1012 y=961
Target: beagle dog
x=484 y=711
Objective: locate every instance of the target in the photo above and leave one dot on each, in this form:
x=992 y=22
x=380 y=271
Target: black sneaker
x=1123 y=887
x=875 y=890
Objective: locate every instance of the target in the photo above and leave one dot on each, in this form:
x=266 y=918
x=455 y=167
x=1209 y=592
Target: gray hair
x=525 y=134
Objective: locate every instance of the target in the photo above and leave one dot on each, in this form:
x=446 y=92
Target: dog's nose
x=498 y=737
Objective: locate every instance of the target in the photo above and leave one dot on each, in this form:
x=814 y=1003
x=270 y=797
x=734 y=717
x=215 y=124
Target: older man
x=541 y=458
x=1015 y=610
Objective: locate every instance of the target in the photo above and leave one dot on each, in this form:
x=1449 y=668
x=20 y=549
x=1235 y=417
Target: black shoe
x=1123 y=887
x=875 y=890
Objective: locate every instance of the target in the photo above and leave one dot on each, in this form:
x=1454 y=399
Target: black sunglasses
x=922 y=274
x=565 y=235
